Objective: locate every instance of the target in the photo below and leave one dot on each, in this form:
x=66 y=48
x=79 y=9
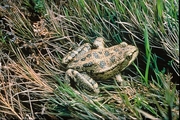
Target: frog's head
x=129 y=53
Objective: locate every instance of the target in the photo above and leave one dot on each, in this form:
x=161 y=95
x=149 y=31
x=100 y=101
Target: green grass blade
x=148 y=54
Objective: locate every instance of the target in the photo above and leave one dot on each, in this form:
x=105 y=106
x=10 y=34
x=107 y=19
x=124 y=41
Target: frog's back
x=105 y=62
x=98 y=61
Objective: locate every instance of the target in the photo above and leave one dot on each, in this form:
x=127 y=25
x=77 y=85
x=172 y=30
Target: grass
x=33 y=42
x=148 y=54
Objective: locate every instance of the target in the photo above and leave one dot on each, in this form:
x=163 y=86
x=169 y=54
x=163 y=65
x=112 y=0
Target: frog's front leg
x=78 y=51
x=82 y=81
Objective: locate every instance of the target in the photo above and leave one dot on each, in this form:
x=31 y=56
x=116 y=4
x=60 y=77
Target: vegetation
x=36 y=34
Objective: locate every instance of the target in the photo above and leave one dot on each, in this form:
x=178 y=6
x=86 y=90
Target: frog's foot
x=78 y=51
x=82 y=80
x=99 y=43
x=119 y=78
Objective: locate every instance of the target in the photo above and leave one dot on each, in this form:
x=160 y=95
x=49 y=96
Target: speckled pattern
x=100 y=63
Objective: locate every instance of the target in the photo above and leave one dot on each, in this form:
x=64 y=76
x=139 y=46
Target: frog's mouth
x=133 y=56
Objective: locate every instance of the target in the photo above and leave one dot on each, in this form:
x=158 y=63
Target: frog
x=88 y=63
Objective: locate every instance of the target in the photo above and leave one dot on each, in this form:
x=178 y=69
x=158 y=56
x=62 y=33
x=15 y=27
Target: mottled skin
x=86 y=65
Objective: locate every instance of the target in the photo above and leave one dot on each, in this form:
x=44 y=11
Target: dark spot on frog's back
x=77 y=68
x=100 y=52
x=95 y=55
x=106 y=53
x=88 y=55
x=116 y=49
x=102 y=64
x=112 y=59
x=89 y=64
x=120 y=53
x=75 y=61
x=83 y=59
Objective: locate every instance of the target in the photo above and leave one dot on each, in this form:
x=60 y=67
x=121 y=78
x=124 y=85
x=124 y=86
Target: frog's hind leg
x=78 y=51
x=83 y=81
